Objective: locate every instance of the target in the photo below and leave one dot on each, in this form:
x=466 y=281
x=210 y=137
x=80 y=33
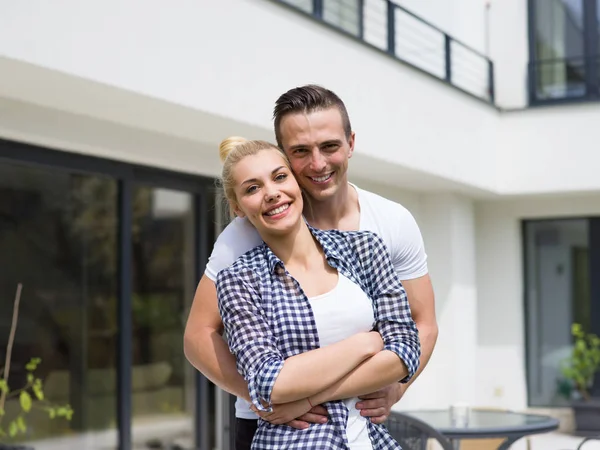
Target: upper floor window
x=564 y=50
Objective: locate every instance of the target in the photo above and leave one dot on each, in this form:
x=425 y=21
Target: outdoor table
x=487 y=424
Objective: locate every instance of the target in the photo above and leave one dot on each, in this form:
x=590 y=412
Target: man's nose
x=317 y=162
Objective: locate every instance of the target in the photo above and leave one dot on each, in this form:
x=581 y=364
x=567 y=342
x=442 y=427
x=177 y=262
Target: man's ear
x=351 y=141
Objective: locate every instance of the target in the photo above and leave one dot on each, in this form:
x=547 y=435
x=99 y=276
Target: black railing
x=564 y=79
x=391 y=28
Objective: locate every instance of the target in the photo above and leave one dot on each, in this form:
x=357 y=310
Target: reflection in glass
x=58 y=238
x=558 y=293
x=163 y=287
x=304 y=5
x=342 y=13
x=559 y=48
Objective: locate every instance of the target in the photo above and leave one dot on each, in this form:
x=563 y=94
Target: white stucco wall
x=500 y=316
x=221 y=58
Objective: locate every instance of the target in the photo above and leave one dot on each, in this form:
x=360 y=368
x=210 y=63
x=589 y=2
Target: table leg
x=455 y=444
x=508 y=442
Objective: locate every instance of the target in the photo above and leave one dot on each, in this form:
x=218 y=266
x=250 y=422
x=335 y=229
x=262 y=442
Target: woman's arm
x=400 y=358
x=307 y=373
x=261 y=362
x=375 y=373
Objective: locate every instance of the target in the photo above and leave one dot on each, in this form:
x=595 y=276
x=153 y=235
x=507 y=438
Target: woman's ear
x=236 y=209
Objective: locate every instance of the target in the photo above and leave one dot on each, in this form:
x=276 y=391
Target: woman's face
x=267 y=193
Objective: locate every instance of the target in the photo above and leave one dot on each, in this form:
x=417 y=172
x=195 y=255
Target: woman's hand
x=285 y=412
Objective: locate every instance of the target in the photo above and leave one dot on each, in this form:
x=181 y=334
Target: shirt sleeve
x=249 y=337
x=392 y=310
x=408 y=249
x=237 y=238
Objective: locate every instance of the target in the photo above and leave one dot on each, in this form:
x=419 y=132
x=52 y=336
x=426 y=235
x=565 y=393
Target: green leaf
x=21 y=424
x=13 y=429
x=32 y=364
x=30 y=378
x=3 y=386
x=25 y=400
x=2 y=412
x=51 y=413
x=37 y=389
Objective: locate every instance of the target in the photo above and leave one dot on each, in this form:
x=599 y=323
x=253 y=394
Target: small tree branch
x=11 y=340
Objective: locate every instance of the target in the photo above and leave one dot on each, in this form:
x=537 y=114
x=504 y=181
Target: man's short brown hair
x=308 y=99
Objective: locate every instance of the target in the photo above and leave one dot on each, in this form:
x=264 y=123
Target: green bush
x=581 y=367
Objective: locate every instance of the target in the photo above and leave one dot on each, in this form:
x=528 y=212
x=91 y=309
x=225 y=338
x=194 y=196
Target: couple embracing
x=321 y=289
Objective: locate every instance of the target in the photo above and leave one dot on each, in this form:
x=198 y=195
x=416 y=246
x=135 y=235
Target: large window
x=560 y=256
x=109 y=256
x=564 y=50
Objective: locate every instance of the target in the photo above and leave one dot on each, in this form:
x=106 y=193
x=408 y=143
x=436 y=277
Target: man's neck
x=342 y=211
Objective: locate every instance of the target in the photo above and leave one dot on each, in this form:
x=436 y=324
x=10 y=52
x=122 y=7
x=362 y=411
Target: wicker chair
x=412 y=434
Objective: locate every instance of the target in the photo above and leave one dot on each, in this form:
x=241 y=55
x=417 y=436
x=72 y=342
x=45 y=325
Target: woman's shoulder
x=359 y=240
x=248 y=266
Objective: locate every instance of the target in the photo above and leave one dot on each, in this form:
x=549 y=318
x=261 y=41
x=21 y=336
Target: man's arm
x=204 y=346
x=422 y=307
x=419 y=291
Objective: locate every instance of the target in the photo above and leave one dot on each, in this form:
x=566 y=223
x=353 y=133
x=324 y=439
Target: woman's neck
x=297 y=247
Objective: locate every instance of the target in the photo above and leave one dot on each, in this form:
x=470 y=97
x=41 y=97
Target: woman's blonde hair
x=231 y=151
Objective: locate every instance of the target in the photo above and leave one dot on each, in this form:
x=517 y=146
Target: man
x=312 y=127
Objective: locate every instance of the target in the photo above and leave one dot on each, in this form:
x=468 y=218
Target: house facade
x=481 y=117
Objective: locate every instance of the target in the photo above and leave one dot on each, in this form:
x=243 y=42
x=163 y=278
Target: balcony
x=406 y=37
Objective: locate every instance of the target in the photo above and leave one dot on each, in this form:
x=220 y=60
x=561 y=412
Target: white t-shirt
x=391 y=221
x=339 y=314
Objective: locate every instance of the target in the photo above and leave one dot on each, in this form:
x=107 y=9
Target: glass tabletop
x=489 y=423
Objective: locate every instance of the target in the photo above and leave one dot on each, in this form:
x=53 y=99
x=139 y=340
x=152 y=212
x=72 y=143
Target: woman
x=299 y=310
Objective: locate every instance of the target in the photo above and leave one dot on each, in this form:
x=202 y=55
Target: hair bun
x=227 y=145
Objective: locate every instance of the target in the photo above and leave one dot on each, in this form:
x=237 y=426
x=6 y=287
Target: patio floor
x=556 y=441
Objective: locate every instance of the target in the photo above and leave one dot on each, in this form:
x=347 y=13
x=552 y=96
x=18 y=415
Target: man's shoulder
x=379 y=203
x=384 y=216
x=234 y=241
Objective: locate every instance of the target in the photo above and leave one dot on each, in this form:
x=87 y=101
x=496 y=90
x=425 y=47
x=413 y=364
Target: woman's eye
x=281 y=177
x=251 y=189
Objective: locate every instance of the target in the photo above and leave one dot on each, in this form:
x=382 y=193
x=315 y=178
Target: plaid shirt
x=268 y=318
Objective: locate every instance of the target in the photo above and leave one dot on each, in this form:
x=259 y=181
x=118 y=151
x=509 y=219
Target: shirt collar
x=330 y=248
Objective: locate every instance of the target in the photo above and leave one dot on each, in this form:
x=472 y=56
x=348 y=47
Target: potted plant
x=30 y=395
x=579 y=371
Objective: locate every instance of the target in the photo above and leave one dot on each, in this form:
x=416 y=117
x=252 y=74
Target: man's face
x=318 y=150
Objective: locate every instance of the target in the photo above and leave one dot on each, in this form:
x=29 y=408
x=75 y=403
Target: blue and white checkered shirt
x=268 y=318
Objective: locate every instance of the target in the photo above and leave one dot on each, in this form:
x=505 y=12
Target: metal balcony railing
x=391 y=28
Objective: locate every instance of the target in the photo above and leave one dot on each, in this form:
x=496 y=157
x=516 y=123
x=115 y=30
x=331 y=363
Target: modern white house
x=480 y=116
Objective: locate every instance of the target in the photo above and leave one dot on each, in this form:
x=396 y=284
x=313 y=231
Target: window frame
x=593 y=223
x=127 y=175
x=591 y=37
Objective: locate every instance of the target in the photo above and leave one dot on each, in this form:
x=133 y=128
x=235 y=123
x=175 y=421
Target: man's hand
x=298 y=414
x=378 y=405
x=317 y=414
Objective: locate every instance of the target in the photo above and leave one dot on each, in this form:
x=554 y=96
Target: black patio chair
x=588 y=439
x=413 y=434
